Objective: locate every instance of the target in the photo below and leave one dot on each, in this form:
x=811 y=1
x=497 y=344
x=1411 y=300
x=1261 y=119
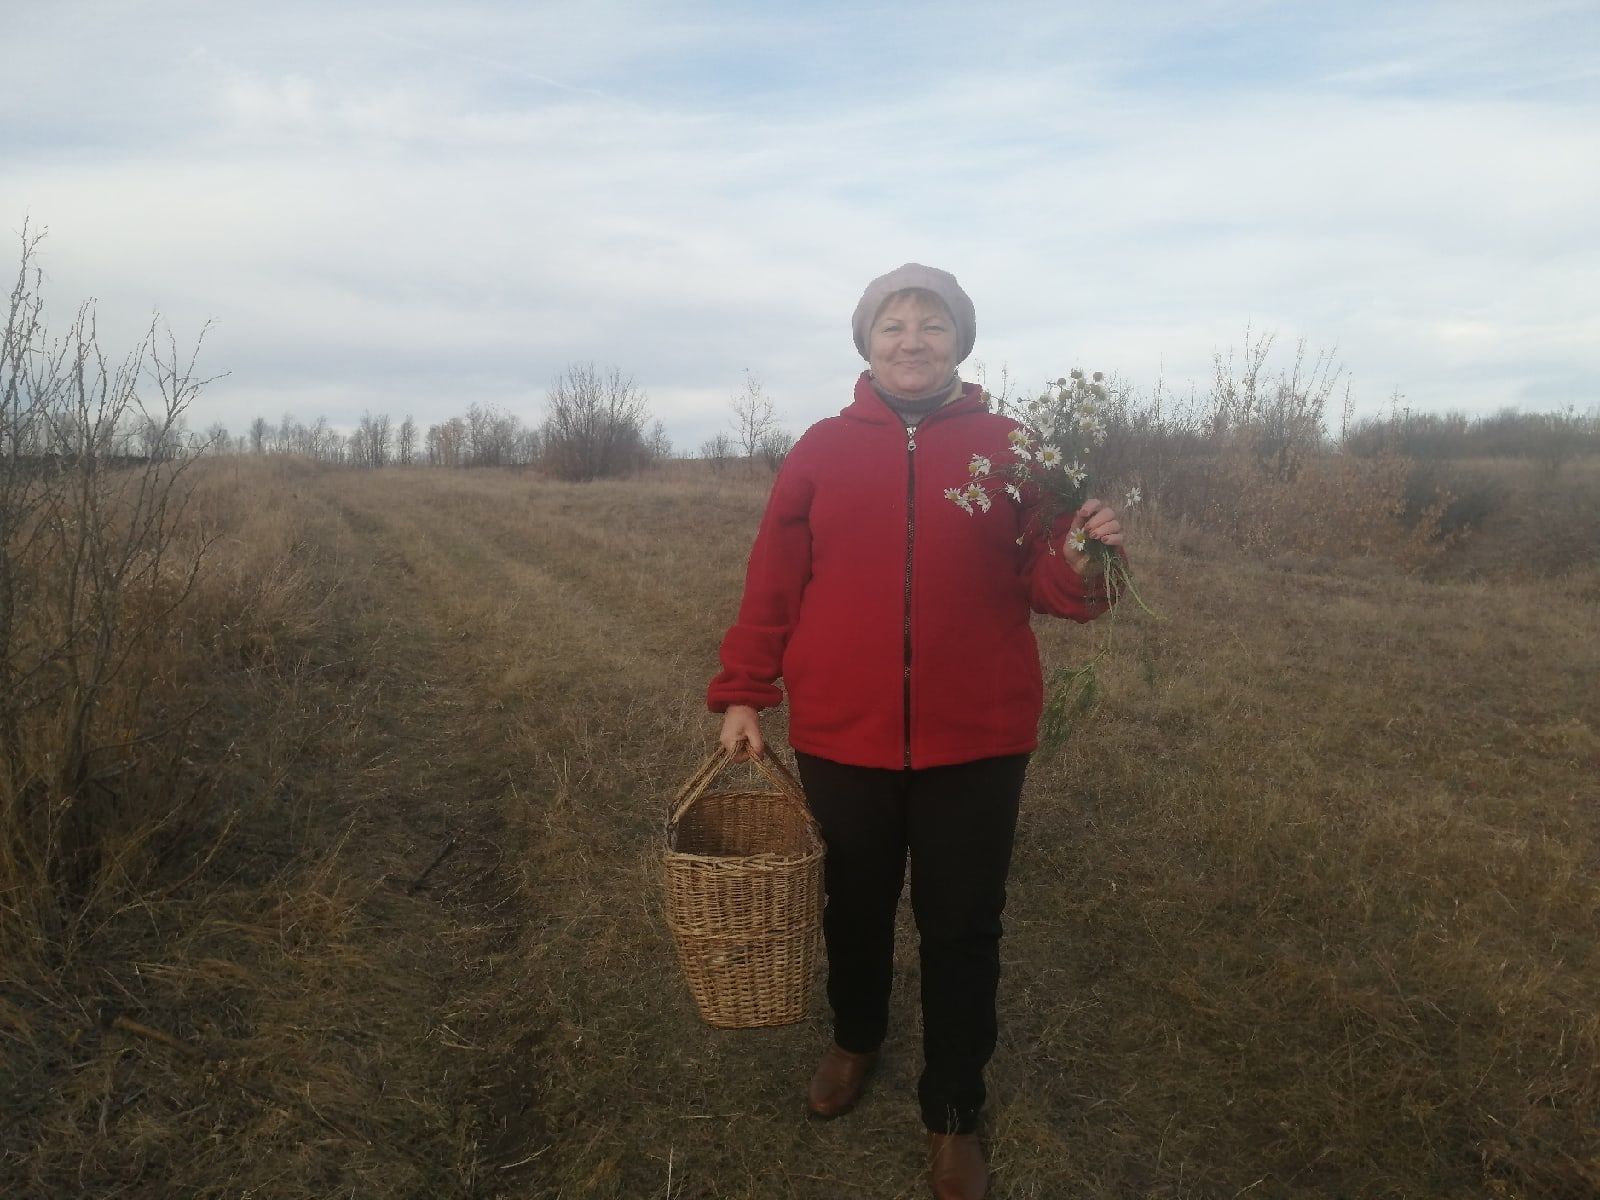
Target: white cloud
x=443 y=205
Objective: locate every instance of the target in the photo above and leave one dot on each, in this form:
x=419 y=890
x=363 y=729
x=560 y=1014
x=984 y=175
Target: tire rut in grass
x=567 y=792
x=449 y=823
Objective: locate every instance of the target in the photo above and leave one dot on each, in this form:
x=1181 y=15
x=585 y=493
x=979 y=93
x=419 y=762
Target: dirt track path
x=492 y=628
x=436 y=818
x=485 y=629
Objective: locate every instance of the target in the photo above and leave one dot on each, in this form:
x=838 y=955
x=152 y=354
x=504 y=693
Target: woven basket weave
x=743 y=874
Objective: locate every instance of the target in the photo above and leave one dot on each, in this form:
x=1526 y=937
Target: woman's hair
x=927 y=284
x=927 y=298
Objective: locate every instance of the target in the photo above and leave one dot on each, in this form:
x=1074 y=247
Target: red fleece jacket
x=898 y=623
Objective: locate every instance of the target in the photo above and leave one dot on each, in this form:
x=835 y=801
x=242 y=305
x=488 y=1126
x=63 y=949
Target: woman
x=899 y=625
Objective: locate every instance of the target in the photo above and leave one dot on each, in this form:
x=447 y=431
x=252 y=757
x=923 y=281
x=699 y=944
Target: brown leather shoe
x=956 y=1170
x=838 y=1083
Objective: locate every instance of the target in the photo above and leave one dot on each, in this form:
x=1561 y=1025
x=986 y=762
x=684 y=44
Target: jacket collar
x=871 y=408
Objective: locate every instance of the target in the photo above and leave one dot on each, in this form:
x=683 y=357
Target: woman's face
x=913 y=347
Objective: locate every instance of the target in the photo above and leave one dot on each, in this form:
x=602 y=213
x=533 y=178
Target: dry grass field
x=1307 y=909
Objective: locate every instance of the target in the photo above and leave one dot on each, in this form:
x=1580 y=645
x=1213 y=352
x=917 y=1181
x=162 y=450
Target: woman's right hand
x=741 y=732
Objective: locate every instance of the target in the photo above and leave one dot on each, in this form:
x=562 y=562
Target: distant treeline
x=1552 y=437
x=597 y=423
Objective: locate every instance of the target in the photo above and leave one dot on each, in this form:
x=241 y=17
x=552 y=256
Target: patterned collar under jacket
x=898 y=624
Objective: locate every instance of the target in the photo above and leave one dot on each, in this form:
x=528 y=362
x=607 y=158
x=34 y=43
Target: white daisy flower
x=1018 y=437
x=1049 y=456
x=979 y=466
x=1076 y=473
x=1014 y=492
x=1077 y=539
x=976 y=495
x=955 y=496
x=1132 y=498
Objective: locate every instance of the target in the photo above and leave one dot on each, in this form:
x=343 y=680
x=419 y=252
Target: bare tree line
x=377 y=441
x=597 y=423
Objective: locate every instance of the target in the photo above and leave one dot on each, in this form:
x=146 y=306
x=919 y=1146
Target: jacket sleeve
x=779 y=569
x=1054 y=588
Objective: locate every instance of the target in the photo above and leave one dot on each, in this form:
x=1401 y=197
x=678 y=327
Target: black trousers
x=957 y=825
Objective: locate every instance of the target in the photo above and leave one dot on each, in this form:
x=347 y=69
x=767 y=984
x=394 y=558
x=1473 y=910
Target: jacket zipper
x=911 y=533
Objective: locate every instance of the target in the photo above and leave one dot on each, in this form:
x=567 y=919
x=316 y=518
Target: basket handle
x=720 y=757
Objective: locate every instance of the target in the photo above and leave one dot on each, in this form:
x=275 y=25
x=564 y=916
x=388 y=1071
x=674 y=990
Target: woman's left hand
x=1099 y=524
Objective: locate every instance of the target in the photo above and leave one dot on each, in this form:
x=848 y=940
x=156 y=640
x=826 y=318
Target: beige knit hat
x=914 y=275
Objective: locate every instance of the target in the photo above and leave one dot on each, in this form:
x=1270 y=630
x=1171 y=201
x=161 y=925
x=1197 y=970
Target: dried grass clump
x=100 y=784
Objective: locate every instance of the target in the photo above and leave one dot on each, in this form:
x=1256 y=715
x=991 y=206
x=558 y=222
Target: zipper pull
x=911 y=437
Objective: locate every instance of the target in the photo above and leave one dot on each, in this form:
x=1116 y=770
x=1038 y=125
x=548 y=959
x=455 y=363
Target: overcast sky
x=412 y=207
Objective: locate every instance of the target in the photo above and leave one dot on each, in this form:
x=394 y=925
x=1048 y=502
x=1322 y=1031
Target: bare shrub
x=1333 y=506
x=594 y=425
x=1471 y=497
x=91 y=574
x=775 y=447
x=716 y=450
x=1561 y=436
x=1281 y=418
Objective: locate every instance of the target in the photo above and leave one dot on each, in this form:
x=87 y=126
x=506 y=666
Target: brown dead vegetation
x=1308 y=909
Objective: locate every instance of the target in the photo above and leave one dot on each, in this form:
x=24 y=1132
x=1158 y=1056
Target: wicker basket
x=743 y=876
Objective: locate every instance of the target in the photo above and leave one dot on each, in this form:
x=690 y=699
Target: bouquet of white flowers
x=1046 y=473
